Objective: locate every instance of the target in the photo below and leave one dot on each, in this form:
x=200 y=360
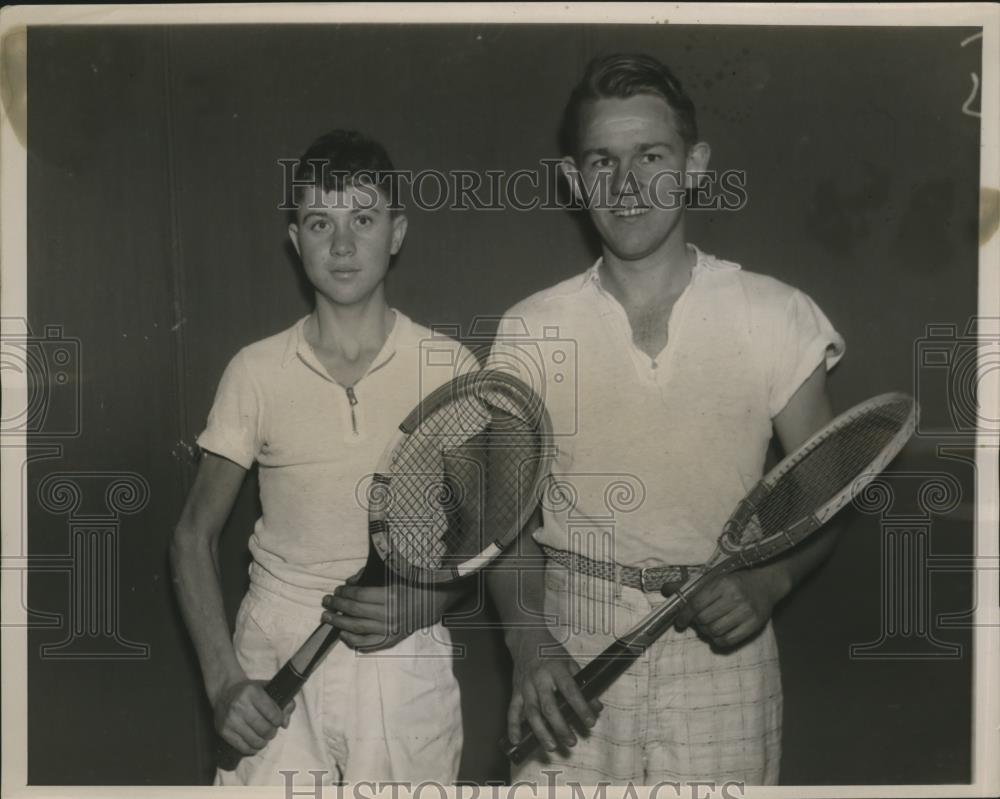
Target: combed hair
x=336 y=159
x=623 y=75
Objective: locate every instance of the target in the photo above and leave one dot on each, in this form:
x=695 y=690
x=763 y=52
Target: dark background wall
x=154 y=240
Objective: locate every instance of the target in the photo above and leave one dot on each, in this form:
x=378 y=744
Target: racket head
x=811 y=484
x=461 y=477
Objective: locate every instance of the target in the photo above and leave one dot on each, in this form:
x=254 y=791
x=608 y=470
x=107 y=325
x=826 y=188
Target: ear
x=399 y=225
x=697 y=162
x=571 y=172
x=293 y=234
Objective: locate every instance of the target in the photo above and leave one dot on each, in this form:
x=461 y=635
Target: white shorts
x=392 y=715
x=681 y=713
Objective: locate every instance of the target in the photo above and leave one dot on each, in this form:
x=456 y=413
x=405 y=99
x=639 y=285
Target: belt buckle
x=644 y=575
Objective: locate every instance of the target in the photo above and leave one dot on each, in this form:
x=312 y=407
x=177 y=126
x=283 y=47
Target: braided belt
x=649 y=579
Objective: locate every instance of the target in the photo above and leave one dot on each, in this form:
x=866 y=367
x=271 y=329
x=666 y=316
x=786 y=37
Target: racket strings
x=828 y=468
x=458 y=480
x=421 y=493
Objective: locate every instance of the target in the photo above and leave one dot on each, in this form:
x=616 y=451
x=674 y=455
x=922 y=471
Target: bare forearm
x=199 y=593
x=543 y=669
x=516 y=583
x=807 y=411
x=782 y=576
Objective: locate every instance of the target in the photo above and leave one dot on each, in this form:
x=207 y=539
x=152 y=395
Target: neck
x=658 y=276
x=350 y=328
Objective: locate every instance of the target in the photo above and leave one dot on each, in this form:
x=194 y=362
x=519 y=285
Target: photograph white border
x=13 y=304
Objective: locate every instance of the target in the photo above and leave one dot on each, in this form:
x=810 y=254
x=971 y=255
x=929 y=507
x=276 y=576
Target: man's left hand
x=377 y=617
x=732 y=608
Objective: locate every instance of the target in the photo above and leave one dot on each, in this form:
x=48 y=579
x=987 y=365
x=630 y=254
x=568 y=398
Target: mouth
x=629 y=213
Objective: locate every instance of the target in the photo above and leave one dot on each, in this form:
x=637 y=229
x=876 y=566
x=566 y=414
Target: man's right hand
x=247 y=718
x=542 y=671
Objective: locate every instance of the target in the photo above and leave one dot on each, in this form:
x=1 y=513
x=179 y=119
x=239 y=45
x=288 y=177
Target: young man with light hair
x=686 y=366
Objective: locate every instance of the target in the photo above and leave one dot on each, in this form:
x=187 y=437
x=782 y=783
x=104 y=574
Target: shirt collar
x=297 y=346
x=593 y=275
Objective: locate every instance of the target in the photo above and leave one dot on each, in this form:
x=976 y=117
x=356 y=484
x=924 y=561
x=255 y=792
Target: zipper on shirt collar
x=304 y=350
x=352 y=398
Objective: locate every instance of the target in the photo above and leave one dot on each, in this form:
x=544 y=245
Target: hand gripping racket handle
x=287 y=682
x=282 y=688
x=594 y=678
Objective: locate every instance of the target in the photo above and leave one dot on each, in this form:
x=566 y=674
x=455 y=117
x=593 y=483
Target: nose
x=342 y=242
x=622 y=180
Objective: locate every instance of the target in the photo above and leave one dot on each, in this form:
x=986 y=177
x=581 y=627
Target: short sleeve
x=804 y=339
x=234 y=423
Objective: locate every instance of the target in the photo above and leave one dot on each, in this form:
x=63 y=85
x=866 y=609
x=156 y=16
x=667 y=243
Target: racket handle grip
x=592 y=680
x=282 y=688
x=287 y=682
x=284 y=685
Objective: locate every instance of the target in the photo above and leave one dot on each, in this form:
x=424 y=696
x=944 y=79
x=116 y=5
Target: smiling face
x=631 y=172
x=346 y=240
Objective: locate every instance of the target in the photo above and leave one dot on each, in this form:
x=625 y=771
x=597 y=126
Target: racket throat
x=375 y=572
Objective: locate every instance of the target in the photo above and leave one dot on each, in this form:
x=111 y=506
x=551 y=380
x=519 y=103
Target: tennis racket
x=793 y=500
x=452 y=490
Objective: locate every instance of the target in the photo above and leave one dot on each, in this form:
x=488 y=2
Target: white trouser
x=392 y=715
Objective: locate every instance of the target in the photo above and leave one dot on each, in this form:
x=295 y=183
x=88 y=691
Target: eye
x=363 y=220
x=600 y=163
x=319 y=225
x=650 y=158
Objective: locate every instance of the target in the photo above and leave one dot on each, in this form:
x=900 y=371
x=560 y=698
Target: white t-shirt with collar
x=317 y=444
x=654 y=454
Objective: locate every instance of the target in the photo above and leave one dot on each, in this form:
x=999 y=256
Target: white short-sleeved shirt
x=654 y=454
x=316 y=446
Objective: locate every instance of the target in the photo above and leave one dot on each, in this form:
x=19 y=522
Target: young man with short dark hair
x=315 y=406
